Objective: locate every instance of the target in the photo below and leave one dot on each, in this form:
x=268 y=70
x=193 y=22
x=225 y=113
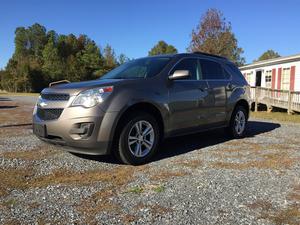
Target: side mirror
x=179 y=74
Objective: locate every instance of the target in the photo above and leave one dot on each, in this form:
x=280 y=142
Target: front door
x=258 y=79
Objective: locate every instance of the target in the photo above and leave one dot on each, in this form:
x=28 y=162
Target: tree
x=162 y=48
x=122 y=59
x=214 y=35
x=269 y=54
x=52 y=66
x=41 y=57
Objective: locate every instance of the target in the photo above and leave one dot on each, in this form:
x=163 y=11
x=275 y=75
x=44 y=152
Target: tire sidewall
x=124 y=152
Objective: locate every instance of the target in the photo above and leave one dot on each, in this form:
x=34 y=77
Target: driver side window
x=190 y=64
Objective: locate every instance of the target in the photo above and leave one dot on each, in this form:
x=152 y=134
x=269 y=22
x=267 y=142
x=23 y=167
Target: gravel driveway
x=198 y=179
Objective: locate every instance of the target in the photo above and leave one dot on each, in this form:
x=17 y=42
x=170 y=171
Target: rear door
x=188 y=98
x=219 y=85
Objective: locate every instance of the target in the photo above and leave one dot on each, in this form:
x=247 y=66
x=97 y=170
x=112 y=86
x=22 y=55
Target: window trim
x=199 y=58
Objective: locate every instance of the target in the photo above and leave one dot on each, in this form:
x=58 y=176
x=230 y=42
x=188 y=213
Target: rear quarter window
x=235 y=72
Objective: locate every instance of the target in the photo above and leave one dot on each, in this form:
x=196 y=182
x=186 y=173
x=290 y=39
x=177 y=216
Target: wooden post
x=289 y=103
x=256 y=99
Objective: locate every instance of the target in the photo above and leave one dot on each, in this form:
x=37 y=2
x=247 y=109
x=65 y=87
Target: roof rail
x=208 y=54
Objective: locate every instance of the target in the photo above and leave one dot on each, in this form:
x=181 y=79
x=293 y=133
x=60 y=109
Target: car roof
x=193 y=54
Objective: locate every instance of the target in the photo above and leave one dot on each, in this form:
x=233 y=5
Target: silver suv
x=132 y=108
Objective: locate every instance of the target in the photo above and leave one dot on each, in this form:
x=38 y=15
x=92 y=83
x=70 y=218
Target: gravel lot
x=199 y=179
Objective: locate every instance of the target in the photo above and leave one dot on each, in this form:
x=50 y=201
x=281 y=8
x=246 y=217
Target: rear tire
x=238 y=122
x=138 y=140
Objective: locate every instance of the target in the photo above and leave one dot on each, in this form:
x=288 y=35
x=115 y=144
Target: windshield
x=139 y=68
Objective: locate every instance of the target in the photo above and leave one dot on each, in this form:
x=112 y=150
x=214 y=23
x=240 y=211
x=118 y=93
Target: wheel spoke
x=132 y=142
x=147 y=131
x=147 y=145
x=148 y=142
x=137 y=128
x=138 y=149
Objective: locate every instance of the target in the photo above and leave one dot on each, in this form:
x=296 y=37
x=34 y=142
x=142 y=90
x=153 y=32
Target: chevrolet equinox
x=129 y=110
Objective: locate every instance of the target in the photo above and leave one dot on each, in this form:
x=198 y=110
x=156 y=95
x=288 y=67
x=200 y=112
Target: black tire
x=123 y=151
x=232 y=130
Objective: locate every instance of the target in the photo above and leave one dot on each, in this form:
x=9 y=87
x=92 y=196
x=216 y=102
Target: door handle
x=229 y=87
x=203 y=89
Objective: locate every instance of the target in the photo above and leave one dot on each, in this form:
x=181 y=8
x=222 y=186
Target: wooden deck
x=289 y=100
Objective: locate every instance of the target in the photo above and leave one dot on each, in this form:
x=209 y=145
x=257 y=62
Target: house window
x=249 y=77
x=285 y=79
x=268 y=78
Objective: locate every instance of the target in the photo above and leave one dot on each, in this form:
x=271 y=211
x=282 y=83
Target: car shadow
x=184 y=144
x=188 y=143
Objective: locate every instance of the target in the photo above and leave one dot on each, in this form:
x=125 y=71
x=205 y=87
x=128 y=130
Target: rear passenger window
x=211 y=70
x=191 y=65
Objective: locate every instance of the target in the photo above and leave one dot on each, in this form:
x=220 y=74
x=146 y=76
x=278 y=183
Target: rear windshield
x=139 y=68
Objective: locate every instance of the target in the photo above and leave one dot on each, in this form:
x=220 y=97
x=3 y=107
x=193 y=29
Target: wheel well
x=244 y=104
x=140 y=107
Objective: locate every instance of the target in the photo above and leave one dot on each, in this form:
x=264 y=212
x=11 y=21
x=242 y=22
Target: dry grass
x=14 y=179
x=276 y=161
x=115 y=176
x=165 y=175
x=35 y=154
x=295 y=194
x=155 y=209
x=289 y=215
x=276 y=116
x=193 y=164
x=24 y=178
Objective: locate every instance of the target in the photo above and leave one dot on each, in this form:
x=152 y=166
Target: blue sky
x=134 y=26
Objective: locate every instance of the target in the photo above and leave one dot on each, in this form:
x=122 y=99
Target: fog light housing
x=83 y=130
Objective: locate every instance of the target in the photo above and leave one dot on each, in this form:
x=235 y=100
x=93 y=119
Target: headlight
x=92 y=97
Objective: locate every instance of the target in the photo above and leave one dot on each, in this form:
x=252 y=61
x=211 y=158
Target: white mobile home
x=281 y=73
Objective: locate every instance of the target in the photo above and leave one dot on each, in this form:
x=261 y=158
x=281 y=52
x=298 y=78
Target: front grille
x=56 y=97
x=49 y=114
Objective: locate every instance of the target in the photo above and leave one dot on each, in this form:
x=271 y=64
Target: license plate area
x=40 y=130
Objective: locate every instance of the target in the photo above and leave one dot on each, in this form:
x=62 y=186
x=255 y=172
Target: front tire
x=238 y=122
x=139 y=139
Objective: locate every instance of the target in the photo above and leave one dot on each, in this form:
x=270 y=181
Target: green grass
x=136 y=190
x=276 y=116
x=159 y=189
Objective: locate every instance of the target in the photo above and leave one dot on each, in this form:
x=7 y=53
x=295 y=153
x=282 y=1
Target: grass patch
x=136 y=190
x=276 y=116
x=159 y=189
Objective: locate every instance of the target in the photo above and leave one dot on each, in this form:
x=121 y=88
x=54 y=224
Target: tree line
x=42 y=56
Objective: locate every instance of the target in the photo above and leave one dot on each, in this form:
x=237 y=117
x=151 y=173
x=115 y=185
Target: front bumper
x=60 y=131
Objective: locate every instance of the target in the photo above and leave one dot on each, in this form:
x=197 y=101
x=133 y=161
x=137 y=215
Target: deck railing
x=285 y=99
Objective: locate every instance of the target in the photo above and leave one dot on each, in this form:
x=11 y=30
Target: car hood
x=75 y=87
